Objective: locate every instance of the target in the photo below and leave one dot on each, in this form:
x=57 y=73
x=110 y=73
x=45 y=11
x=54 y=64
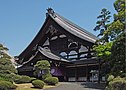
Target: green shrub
x=110 y=78
x=42 y=66
x=6 y=85
x=51 y=80
x=23 y=79
x=44 y=76
x=38 y=84
x=15 y=77
x=117 y=84
x=10 y=77
x=2 y=79
x=6 y=66
x=32 y=79
x=5 y=77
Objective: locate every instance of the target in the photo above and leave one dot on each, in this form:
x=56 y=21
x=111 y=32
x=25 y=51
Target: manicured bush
x=117 y=84
x=23 y=79
x=11 y=77
x=43 y=68
x=6 y=85
x=4 y=77
x=15 y=77
x=44 y=76
x=38 y=84
x=51 y=80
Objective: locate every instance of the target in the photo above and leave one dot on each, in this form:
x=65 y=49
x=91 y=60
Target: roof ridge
x=77 y=26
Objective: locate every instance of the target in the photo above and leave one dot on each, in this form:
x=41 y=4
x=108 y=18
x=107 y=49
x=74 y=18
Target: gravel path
x=74 y=86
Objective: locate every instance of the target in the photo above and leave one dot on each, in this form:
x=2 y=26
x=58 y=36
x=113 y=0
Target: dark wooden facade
x=65 y=45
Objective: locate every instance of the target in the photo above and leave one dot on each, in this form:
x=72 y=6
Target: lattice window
x=63 y=54
x=83 y=49
x=73 y=55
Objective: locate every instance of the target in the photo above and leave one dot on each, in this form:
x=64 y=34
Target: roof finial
x=51 y=11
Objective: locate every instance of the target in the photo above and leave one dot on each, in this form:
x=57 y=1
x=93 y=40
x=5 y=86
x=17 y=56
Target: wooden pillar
x=76 y=74
x=99 y=71
x=87 y=74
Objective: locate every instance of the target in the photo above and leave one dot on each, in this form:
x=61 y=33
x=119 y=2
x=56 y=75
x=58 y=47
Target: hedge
x=5 y=78
x=23 y=79
x=51 y=80
x=6 y=85
x=38 y=84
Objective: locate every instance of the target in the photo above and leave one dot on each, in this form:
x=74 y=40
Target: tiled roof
x=73 y=28
x=51 y=55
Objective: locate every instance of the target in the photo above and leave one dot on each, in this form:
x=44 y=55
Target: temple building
x=66 y=46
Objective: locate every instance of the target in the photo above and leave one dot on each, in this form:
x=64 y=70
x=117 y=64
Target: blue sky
x=20 y=20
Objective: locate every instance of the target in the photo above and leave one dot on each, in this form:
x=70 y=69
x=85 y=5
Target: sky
x=21 y=20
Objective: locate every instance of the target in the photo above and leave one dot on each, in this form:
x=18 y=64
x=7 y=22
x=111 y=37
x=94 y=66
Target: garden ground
x=78 y=86
x=65 y=86
x=29 y=86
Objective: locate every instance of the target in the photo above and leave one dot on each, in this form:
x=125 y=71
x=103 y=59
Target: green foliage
x=44 y=76
x=13 y=76
x=115 y=29
x=38 y=84
x=16 y=78
x=3 y=51
x=117 y=33
x=3 y=48
x=5 y=85
x=10 y=77
x=103 y=51
x=1 y=78
x=23 y=79
x=110 y=78
x=102 y=23
x=118 y=25
x=51 y=80
x=43 y=64
x=6 y=77
x=117 y=84
x=6 y=66
x=32 y=79
x=118 y=55
x=119 y=5
x=113 y=50
x=42 y=69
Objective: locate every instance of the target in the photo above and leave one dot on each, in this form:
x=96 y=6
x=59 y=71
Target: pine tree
x=102 y=24
x=6 y=66
x=42 y=69
x=103 y=47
